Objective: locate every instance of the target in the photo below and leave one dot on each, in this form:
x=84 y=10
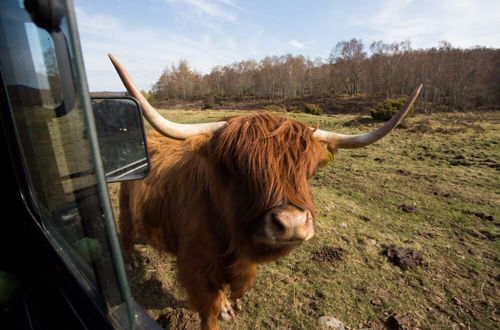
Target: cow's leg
x=209 y=311
x=126 y=225
x=242 y=277
x=227 y=312
x=207 y=302
x=203 y=286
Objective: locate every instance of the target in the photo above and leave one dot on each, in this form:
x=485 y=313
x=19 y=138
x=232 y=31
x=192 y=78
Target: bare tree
x=348 y=58
x=453 y=78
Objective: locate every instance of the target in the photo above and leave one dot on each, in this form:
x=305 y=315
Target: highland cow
x=226 y=196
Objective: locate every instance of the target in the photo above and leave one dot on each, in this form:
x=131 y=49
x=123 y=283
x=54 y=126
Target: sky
x=147 y=36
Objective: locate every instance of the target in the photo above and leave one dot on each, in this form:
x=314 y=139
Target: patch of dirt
x=408 y=208
x=151 y=293
x=423 y=126
x=359 y=156
x=427 y=126
x=405 y=258
x=179 y=318
x=480 y=215
x=454 y=130
x=401 y=322
x=442 y=194
x=329 y=254
x=403 y=172
x=377 y=301
x=359 y=121
x=403 y=125
x=477 y=234
x=312 y=303
x=365 y=218
x=374 y=325
x=380 y=298
x=153 y=282
x=489 y=235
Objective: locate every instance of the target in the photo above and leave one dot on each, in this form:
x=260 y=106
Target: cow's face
x=266 y=162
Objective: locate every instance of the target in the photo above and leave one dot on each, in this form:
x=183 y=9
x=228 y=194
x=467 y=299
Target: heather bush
x=312 y=109
x=385 y=110
x=209 y=102
x=274 y=107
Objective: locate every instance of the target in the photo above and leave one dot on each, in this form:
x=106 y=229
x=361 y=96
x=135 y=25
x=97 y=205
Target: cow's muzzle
x=285 y=225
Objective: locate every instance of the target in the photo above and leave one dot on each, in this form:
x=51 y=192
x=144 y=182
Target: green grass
x=446 y=166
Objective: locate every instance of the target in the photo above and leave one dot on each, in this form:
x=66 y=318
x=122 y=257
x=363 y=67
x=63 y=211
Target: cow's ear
x=330 y=147
x=327 y=156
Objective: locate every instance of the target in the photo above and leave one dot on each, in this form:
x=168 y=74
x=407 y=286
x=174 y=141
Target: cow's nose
x=289 y=224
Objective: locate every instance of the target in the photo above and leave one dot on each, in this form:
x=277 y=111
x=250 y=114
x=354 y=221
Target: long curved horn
x=161 y=124
x=357 y=141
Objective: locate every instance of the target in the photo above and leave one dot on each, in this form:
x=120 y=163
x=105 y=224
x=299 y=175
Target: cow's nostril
x=277 y=224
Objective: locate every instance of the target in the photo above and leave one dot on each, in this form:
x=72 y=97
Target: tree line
x=453 y=78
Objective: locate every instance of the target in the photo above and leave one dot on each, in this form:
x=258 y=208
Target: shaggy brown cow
x=226 y=196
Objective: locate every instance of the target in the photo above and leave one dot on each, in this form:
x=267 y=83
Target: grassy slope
x=446 y=166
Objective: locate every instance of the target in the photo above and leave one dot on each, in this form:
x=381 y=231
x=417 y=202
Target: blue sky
x=148 y=35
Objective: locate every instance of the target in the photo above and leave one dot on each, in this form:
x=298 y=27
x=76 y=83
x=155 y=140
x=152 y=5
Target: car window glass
x=53 y=133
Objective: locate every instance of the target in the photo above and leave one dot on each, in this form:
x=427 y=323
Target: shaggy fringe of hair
x=274 y=155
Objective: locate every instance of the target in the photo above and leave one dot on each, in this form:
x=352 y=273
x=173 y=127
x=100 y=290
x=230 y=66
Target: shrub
x=209 y=103
x=274 y=107
x=385 y=110
x=150 y=97
x=221 y=100
x=312 y=109
x=295 y=107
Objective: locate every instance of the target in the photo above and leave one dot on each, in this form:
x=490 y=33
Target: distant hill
x=107 y=93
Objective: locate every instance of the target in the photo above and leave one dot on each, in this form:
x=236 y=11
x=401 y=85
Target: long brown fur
x=204 y=198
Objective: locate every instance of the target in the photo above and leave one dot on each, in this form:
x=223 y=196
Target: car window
x=50 y=108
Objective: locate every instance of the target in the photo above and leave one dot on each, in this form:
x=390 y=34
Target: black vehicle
x=60 y=260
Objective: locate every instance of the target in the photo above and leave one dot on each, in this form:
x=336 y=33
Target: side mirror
x=121 y=136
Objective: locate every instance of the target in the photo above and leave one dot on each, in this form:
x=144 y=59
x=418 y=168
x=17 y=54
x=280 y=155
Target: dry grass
x=444 y=167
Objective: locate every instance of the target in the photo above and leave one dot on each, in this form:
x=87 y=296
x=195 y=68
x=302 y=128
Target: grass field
x=432 y=187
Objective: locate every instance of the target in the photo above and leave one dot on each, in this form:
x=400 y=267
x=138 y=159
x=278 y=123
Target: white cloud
x=296 y=44
x=390 y=10
x=211 y=7
x=146 y=52
x=464 y=23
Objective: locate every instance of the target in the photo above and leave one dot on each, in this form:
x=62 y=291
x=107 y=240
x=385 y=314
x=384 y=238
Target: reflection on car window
x=57 y=153
x=46 y=70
